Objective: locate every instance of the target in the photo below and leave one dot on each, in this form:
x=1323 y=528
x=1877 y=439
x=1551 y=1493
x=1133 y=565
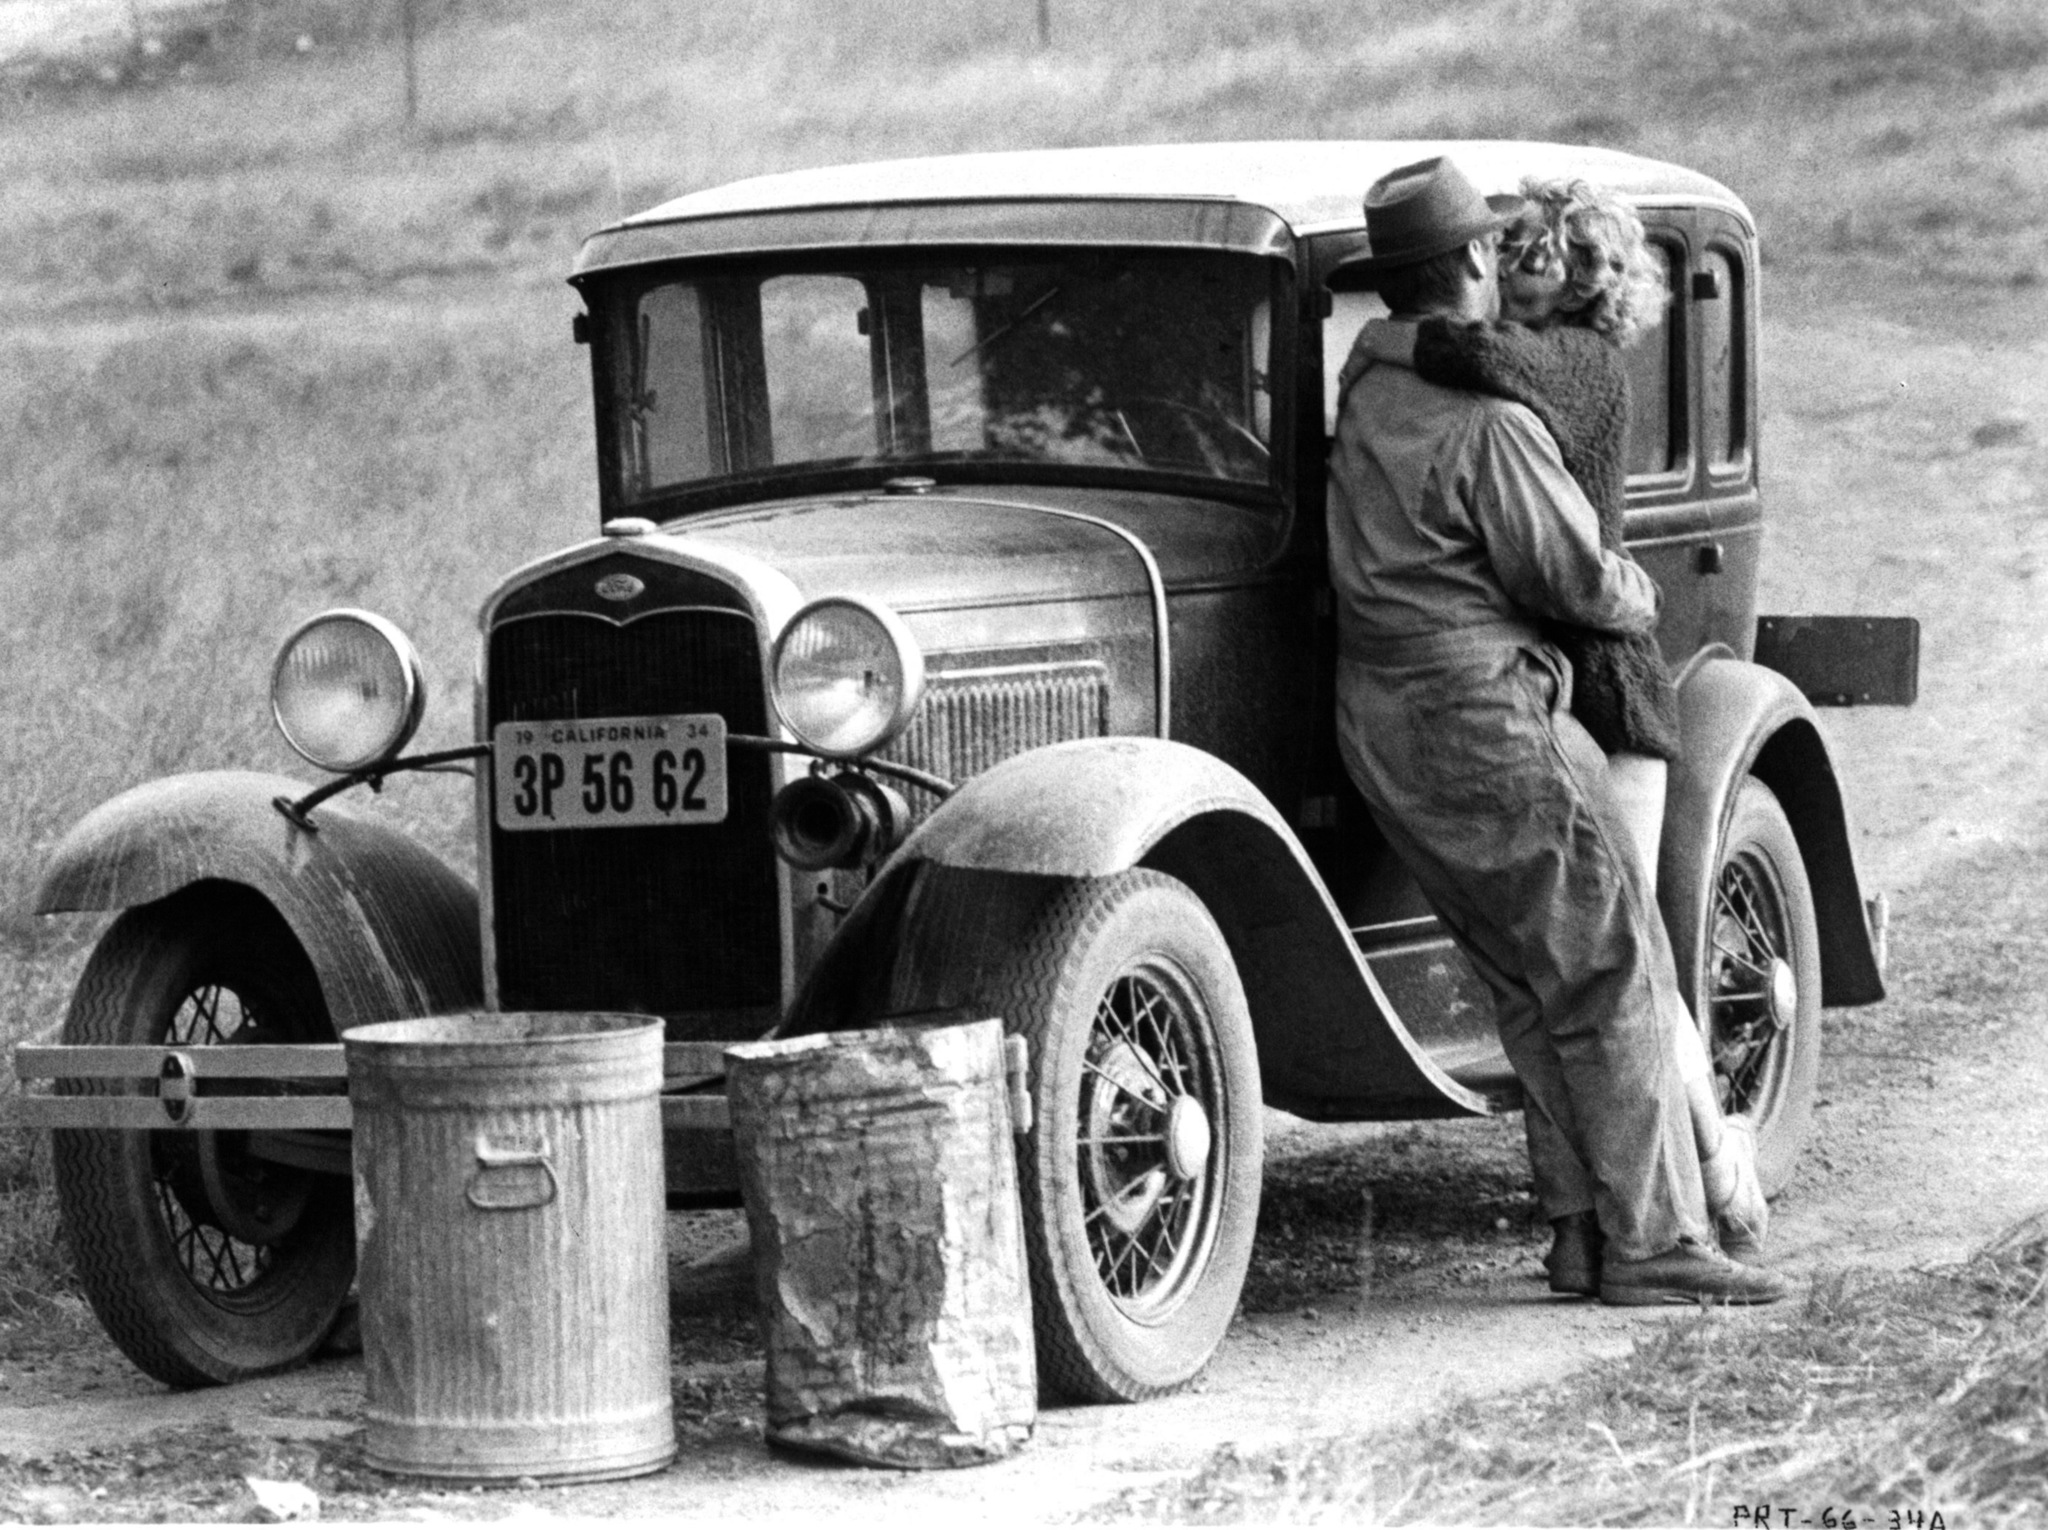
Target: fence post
x=412 y=78
x=1045 y=23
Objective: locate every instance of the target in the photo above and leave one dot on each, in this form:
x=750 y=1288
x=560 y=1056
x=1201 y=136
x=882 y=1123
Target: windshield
x=1077 y=362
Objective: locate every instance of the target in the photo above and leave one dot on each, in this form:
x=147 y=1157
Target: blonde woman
x=1578 y=283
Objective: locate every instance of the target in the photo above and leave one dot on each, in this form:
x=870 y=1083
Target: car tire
x=1140 y=1178
x=204 y=1264
x=1758 y=990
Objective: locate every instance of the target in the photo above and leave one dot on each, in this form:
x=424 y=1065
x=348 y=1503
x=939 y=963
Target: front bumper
x=232 y=1088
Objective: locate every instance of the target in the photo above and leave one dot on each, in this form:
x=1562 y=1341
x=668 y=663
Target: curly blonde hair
x=1614 y=281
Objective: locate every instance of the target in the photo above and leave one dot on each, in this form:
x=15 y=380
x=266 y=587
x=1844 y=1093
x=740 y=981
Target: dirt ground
x=1335 y=1339
x=1397 y=1266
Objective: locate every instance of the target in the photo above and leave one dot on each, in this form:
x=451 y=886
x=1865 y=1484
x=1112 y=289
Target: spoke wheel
x=1140 y=1181
x=1760 y=982
x=204 y=1262
x=1149 y=1090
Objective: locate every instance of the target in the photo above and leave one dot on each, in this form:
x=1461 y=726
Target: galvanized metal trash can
x=512 y=1254
x=880 y=1179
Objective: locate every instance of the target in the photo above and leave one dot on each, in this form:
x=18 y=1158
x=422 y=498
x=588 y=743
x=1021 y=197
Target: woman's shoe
x=1735 y=1196
x=1739 y=1247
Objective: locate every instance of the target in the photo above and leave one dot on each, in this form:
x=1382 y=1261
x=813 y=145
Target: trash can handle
x=498 y=1184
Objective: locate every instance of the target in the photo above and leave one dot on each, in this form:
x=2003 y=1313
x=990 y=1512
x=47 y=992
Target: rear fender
x=967 y=884
x=1739 y=719
x=391 y=931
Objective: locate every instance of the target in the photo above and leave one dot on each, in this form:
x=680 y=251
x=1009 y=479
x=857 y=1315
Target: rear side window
x=1724 y=329
x=1656 y=434
x=1656 y=440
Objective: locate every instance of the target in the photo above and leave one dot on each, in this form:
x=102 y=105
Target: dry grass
x=194 y=491
x=36 y=1284
x=1921 y=1391
x=1891 y=128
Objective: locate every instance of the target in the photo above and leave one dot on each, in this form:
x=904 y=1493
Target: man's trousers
x=1497 y=801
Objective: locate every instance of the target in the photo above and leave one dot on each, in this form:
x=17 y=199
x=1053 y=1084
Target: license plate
x=610 y=772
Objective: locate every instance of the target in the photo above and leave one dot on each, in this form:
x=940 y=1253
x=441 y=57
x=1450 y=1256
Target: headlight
x=847 y=676
x=347 y=690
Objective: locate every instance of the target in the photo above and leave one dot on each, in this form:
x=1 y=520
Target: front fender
x=1330 y=1044
x=392 y=932
x=1738 y=719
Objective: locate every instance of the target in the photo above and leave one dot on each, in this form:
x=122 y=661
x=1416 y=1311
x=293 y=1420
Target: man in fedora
x=1454 y=528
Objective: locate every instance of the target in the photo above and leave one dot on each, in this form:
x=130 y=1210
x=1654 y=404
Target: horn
x=844 y=820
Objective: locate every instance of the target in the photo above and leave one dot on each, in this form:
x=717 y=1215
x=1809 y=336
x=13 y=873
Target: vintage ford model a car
x=957 y=640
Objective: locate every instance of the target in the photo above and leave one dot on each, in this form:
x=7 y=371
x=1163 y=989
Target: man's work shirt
x=1454 y=511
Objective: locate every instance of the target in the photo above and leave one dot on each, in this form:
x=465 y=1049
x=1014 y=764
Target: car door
x=1721 y=294
x=1668 y=524
x=1426 y=980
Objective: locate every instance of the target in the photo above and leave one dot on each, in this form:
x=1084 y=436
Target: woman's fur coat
x=1575 y=382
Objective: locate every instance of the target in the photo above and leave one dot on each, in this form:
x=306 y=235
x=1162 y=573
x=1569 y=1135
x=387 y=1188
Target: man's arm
x=1542 y=535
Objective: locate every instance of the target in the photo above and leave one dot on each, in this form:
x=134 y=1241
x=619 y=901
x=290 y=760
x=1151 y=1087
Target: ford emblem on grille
x=619 y=587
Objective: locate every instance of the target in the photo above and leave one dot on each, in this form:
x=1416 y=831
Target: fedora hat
x=1417 y=211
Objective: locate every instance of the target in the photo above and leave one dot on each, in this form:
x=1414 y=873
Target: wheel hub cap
x=1188 y=1138
x=238 y=1199
x=1120 y=1121
x=1783 y=993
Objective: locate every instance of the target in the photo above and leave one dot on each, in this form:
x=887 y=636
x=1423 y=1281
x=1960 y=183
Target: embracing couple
x=1504 y=709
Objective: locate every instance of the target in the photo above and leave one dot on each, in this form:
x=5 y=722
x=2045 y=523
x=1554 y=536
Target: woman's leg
x=1727 y=1165
x=1639 y=787
x=1638 y=781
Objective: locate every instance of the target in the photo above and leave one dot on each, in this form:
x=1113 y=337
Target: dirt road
x=1397 y=1266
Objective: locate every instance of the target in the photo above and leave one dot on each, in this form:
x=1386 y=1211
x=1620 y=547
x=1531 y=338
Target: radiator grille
x=972 y=719
x=669 y=921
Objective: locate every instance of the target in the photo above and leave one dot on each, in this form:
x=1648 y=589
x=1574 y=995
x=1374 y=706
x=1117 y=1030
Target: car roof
x=1308 y=183
x=1307 y=186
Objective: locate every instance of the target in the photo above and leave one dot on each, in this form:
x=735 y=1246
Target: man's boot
x=1574 y=1257
x=1691 y=1272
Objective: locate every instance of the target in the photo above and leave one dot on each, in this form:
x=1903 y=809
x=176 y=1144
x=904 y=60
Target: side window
x=1723 y=321
x=1348 y=314
x=1656 y=431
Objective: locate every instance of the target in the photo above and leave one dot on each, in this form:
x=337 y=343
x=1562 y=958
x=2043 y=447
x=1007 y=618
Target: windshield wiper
x=990 y=339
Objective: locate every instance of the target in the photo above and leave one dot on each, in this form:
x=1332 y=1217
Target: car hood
x=970 y=547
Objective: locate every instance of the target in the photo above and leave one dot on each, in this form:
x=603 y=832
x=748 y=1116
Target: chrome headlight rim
x=910 y=665
x=411 y=669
